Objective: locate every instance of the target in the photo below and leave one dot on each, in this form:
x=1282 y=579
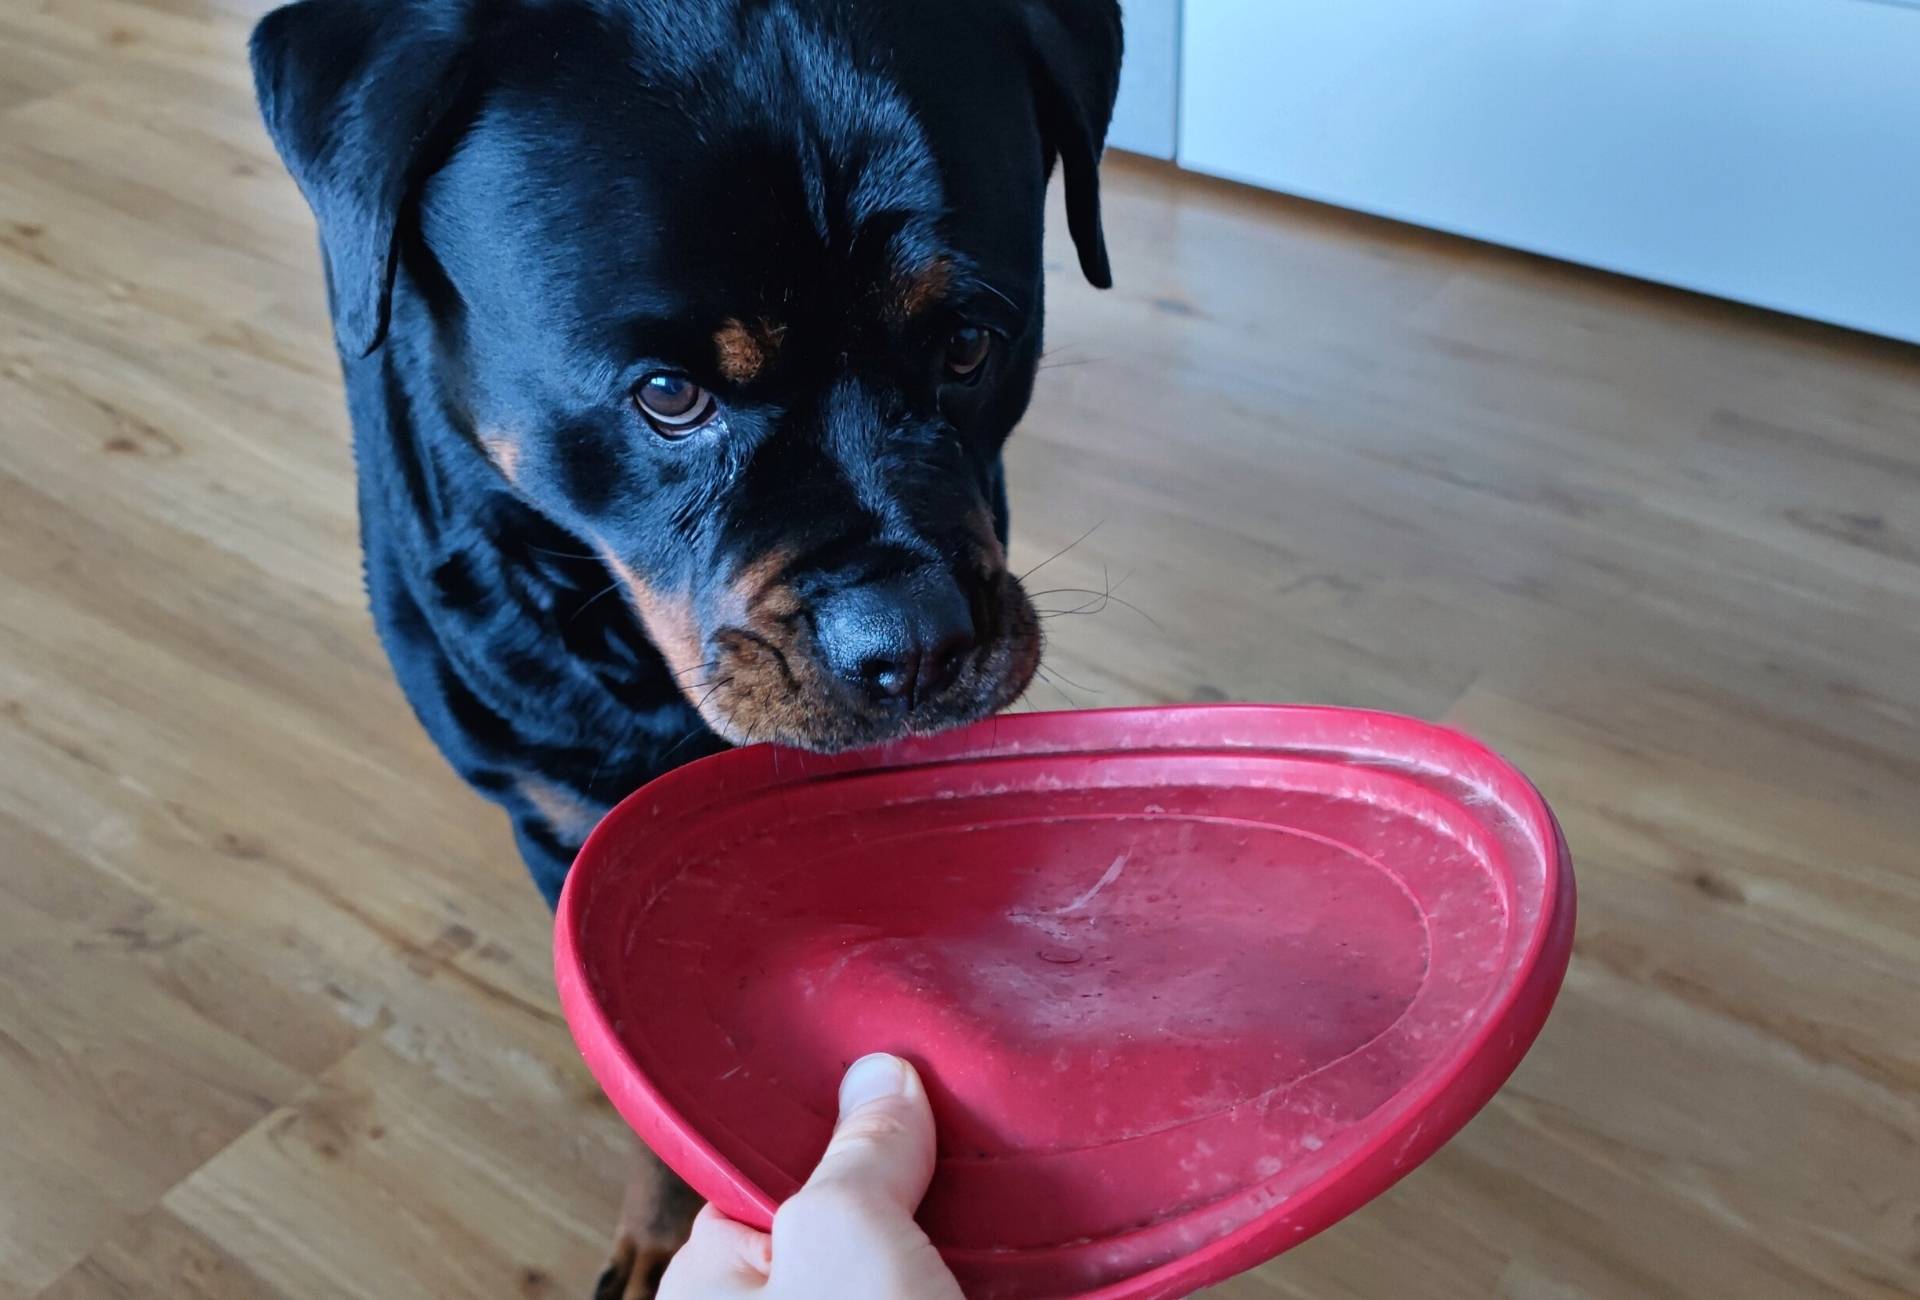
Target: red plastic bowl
x=1187 y=985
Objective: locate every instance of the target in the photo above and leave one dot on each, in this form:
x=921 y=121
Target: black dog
x=681 y=339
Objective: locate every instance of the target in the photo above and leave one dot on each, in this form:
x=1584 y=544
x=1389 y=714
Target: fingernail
x=872 y=1077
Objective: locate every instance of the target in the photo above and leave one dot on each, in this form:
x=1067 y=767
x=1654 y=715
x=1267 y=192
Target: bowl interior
x=1176 y=978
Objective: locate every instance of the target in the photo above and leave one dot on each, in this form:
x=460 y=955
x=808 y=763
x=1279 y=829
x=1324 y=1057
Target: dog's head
x=745 y=293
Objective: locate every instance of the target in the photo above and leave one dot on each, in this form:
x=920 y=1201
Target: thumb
x=883 y=1145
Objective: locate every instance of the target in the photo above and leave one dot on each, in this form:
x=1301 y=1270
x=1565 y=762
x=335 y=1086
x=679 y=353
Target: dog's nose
x=899 y=641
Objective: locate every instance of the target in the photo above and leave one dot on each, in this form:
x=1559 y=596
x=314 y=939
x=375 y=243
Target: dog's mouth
x=761 y=674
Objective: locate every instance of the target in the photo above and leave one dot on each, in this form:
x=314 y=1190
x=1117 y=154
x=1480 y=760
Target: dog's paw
x=656 y=1216
x=633 y=1273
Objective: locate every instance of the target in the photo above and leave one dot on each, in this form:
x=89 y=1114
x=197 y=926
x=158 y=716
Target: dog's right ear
x=352 y=91
x=1076 y=47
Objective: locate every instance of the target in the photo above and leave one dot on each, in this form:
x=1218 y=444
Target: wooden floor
x=275 y=1012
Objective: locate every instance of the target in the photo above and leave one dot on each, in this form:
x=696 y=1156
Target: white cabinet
x=1143 y=119
x=1760 y=150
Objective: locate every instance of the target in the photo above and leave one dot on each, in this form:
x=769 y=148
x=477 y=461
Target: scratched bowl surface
x=1187 y=984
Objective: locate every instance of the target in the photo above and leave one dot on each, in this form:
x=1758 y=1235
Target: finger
x=722 y=1260
x=883 y=1145
x=723 y=1238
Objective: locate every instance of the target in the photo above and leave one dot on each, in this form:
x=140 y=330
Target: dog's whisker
x=678 y=745
x=1093 y=606
x=1070 y=701
x=1106 y=591
x=1099 y=601
x=590 y=601
x=562 y=555
x=698 y=726
x=996 y=293
x=1062 y=551
x=1055 y=674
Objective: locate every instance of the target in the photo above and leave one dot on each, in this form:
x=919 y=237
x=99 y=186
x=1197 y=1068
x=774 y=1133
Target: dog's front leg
x=656 y=1215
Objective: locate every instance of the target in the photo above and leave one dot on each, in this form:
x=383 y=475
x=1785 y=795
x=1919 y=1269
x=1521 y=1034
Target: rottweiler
x=681 y=340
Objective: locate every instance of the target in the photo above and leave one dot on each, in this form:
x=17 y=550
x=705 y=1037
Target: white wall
x=1143 y=120
x=1762 y=150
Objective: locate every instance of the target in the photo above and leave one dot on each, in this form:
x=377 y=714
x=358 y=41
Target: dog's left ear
x=352 y=91
x=1076 y=47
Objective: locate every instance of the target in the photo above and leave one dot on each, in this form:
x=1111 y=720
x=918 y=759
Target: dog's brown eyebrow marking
x=745 y=350
x=922 y=288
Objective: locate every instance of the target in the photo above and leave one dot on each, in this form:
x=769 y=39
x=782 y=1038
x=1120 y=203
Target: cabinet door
x=1761 y=150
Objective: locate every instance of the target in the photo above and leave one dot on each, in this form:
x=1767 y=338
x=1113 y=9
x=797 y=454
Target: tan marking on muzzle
x=765 y=678
x=670 y=624
x=779 y=694
x=757 y=598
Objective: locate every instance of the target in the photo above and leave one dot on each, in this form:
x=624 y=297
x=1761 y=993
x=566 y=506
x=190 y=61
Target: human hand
x=849 y=1233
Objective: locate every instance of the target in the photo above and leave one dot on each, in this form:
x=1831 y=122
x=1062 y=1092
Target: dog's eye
x=673 y=404
x=967 y=349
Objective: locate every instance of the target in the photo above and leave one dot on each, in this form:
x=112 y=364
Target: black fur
x=526 y=206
